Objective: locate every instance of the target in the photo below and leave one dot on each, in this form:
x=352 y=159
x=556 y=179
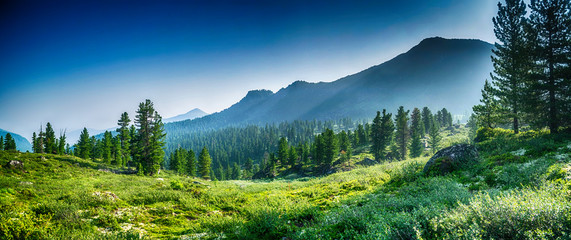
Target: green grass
x=511 y=193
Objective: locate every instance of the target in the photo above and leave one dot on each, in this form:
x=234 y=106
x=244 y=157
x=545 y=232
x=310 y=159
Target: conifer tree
x=1 y=142
x=434 y=136
x=511 y=65
x=283 y=151
x=236 y=171
x=487 y=112
x=34 y=142
x=204 y=162
x=381 y=134
x=9 y=142
x=550 y=33
x=402 y=134
x=124 y=138
x=84 y=144
x=50 y=143
x=40 y=141
x=292 y=156
x=426 y=120
x=331 y=148
x=149 y=138
x=191 y=163
x=106 y=146
x=417 y=128
x=61 y=144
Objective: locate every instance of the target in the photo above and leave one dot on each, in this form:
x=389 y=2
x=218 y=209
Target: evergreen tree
x=106 y=146
x=402 y=135
x=417 y=128
x=40 y=142
x=331 y=148
x=487 y=112
x=381 y=134
x=204 y=162
x=550 y=101
x=124 y=138
x=9 y=142
x=149 y=138
x=34 y=142
x=84 y=144
x=61 y=144
x=345 y=145
x=509 y=59
x=191 y=163
x=283 y=151
x=50 y=143
x=292 y=156
x=1 y=142
x=426 y=119
x=434 y=136
x=446 y=118
x=361 y=135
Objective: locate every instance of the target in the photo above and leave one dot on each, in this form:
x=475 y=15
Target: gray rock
x=452 y=158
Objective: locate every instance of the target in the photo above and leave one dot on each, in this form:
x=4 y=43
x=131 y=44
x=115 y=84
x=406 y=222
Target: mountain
x=192 y=114
x=435 y=73
x=22 y=143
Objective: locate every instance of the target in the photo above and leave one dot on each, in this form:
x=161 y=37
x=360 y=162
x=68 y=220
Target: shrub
x=520 y=214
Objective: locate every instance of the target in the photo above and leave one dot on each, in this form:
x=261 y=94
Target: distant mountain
x=436 y=73
x=22 y=143
x=192 y=114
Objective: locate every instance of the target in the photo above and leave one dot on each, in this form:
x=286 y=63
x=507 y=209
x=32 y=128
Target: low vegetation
x=520 y=188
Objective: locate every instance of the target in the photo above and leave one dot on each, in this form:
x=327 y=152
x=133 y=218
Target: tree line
x=387 y=138
x=8 y=143
x=531 y=80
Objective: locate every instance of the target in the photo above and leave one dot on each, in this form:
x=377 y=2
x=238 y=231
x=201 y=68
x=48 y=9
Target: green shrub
x=520 y=214
x=177 y=185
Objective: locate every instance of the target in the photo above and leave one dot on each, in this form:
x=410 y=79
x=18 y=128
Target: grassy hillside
x=519 y=189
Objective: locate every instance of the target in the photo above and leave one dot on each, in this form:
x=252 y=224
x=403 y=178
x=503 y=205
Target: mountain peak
x=259 y=93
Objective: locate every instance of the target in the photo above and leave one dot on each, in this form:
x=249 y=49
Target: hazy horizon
x=81 y=64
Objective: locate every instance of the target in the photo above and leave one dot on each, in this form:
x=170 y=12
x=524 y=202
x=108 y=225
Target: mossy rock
x=451 y=158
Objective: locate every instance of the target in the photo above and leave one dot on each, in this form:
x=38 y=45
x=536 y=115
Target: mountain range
x=22 y=144
x=192 y=114
x=435 y=73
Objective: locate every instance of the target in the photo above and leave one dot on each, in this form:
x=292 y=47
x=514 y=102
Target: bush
x=521 y=214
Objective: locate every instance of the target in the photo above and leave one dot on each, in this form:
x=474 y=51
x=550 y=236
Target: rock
x=160 y=179
x=26 y=183
x=452 y=158
x=367 y=162
x=16 y=164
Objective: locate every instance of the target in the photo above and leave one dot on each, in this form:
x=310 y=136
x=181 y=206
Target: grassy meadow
x=519 y=189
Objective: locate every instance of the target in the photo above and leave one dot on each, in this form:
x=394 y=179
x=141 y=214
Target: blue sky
x=83 y=63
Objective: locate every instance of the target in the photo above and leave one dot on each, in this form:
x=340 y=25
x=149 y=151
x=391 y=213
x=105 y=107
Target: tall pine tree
x=550 y=33
x=150 y=135
x=124 y=138
x=204 y=162
x=402 y=134
x=84 y=144
x=509 y=59
x=416 y=130
x=487 y=113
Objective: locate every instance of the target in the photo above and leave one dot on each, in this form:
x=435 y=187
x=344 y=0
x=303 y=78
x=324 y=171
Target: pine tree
x=106 y=146
x=434 y=136
x=417 y=128
x=426 y=120
x=292 y=156
x=345 y=145
x=50 y=146
x=9 y=142
x=204 y=162
x=61 y=144
x=40 y=142
x=191 y=163
x=124 y=138
x=331 y=148
x=487 y=112
x=1 y=142
x=149 y=138
x=283 y=151
x=381 y=134
x=402 y=135
x=34 y=142
x=509 y=58
x=236 y=172
x=550 y=33
x=84 y=144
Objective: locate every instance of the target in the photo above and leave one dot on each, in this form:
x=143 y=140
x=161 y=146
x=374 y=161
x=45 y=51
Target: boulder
x=452 y=158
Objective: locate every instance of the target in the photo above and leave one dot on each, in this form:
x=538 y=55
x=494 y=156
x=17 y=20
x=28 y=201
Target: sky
x=82 y=63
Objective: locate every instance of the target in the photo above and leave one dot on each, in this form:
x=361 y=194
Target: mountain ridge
x=437 y=73
x=22 y=144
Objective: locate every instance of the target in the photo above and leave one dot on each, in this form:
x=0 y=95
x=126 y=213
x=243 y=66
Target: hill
x=519 y=189
x=436 y=73
x=22 y=144
x=192 y=114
